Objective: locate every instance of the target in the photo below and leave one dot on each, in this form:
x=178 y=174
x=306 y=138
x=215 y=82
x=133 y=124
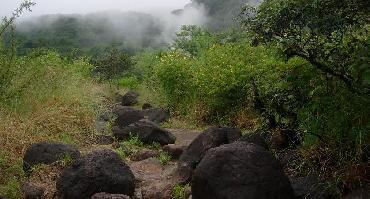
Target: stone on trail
x=193 y=154
x=130 y=98
x=240 y=171
x=144 y=154
x=149 y=132
x=175 y=151
x=47 y=153
x=98 y=171
x=157 y=115
x=127 y=115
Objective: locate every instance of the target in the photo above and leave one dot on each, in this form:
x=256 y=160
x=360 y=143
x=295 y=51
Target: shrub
x=131 y=82
x=223 y=78
x=112 y=64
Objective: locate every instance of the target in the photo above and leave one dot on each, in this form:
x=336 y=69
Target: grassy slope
x=58 y=104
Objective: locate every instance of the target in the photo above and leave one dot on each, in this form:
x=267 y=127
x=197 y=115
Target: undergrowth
x=46 y=98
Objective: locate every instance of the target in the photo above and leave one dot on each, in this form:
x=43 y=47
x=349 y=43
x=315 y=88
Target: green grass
x=129 y=147
x=12 y=188
x=178 y=191
x=164 y=158
x=9 y=183
x=67 y=139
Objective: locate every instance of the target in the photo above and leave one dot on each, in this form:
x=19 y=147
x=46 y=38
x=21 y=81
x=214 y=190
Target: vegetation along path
x=260 y=100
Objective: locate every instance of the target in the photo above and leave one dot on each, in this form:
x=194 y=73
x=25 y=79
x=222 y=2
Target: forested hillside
x=265 y=99
x=76 y=35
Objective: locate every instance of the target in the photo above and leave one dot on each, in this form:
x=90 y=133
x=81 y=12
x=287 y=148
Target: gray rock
x=175 y=151
x=130 y=98
x=144 y=154
x=127 y=115
x=157 y=115
x=240 y=171
x=149 y=132
x=99 y=171
x=47 y=153
x=193 y=154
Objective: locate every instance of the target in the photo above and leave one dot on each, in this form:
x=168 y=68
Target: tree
x=7 y=56
x=7 y=22
x=192 y=39
x=330 y=34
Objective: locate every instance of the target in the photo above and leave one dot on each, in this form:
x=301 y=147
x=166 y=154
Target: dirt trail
x=154 y=179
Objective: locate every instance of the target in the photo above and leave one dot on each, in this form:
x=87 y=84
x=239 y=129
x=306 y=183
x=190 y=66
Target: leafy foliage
x=112 y=64
x=327 y=33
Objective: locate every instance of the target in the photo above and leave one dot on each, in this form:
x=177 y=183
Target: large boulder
x=47 y=153
x=148 y=132
x=99 y=171
x=240 y=171
x=130 y=98
x=210 y=138
x=157 y=115
x=127 y=115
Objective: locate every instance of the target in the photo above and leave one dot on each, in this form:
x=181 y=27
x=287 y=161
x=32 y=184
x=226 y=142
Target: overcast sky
x=86 y=6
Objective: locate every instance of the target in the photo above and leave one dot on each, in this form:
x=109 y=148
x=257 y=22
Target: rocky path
x=218 y=163
x=154 y=179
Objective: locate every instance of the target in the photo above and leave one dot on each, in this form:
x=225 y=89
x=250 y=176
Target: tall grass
x=46 y=98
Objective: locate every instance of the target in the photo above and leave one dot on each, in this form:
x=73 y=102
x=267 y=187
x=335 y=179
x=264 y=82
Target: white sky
x=87 y=6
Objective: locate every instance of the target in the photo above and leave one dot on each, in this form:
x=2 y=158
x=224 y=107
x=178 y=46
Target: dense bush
x=223 y=78
x=112 y=64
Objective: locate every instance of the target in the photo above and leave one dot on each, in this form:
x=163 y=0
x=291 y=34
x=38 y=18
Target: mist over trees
x=75 y=35
x=88 y=34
